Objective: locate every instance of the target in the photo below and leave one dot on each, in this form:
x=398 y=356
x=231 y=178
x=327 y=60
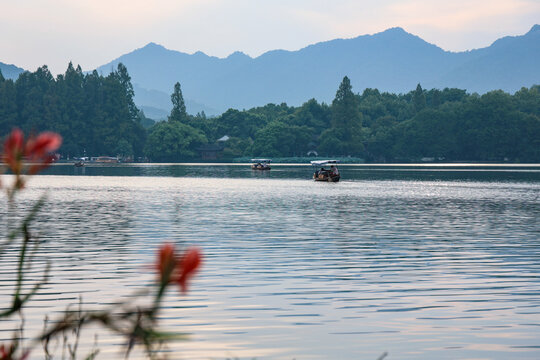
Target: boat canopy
x=324 y=162
x=261 y=160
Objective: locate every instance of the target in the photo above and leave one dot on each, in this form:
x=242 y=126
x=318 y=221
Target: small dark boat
x=323 y=174
x=260 y=164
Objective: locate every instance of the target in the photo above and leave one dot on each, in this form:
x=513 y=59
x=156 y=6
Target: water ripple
x=417 y=267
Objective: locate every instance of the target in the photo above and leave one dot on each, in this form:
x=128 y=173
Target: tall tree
x=8 y=105
x=347 y=118
x=178 y=112
x=345 y=112
x=419 y=99
x=129 y=93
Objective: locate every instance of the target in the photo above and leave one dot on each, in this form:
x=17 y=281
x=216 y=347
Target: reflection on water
x=424 y=264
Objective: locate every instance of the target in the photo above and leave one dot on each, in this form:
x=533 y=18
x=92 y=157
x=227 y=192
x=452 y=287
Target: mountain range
x=393 y=60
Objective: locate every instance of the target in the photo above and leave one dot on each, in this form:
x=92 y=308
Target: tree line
x=94 y=114
x=97 y=115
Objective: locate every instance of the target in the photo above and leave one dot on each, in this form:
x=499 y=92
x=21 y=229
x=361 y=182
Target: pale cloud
x=80 y=16
x=346 y=17
x=89 y=33
x=460 y=25
x=93 y=32
x=457 y=15
x=455 y=25
x=133 y=13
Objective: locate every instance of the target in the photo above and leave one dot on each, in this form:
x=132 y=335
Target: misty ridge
x=391 y=61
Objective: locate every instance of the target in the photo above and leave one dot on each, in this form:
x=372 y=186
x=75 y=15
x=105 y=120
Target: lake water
x=422 y=262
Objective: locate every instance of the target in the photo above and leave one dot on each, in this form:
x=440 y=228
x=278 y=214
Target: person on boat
x=335 y=171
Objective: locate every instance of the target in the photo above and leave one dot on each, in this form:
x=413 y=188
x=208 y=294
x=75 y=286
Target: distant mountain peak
x=199 y=54
x=534 y=29
x=396 y=33
x=153 y=45
x=395 y=29
x=238 y=55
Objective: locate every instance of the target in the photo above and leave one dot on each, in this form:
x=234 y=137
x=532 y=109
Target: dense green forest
x=96 y=115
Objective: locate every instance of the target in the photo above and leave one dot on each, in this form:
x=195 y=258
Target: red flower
x=36 y=149
x=188 y=266
x=172 y=269
x=6 y=353
x=13 y=150
x=45 y=143
x=166 y=262
x=39 y=150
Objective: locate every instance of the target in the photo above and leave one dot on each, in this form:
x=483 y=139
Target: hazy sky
x=94 y=32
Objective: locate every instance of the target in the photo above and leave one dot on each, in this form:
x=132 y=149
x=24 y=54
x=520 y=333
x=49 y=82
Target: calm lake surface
x=422 y=262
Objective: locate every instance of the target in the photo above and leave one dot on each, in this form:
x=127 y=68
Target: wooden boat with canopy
x=260 y=164
x=326 y=170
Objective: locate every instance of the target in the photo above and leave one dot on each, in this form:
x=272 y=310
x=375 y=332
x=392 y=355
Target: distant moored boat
x=107 y=159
